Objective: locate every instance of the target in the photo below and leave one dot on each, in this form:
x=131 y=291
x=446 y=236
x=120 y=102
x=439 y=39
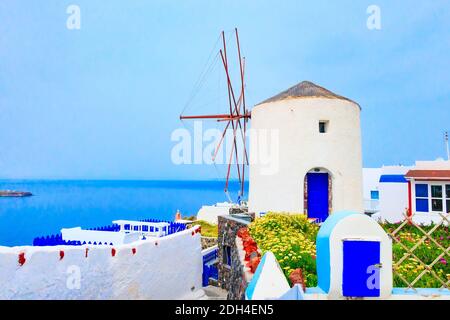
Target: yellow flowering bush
x=291 y=238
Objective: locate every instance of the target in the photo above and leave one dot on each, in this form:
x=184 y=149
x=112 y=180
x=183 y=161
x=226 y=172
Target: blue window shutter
x=422 y=205
x=422 y=190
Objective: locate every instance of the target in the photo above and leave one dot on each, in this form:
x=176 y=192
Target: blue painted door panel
x=318 y=196
x=361 y=276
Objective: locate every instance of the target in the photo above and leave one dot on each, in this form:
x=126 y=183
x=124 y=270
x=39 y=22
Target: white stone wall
x=371 y=181
x=301 y=149
x=159 y=268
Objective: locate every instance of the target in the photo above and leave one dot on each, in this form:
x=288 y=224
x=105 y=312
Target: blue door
x=318 y=196
x=361 y=276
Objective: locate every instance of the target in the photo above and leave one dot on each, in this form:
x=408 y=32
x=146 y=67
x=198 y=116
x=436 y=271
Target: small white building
x=429 y=190
x=371 y=190
x=147 y=229
x=421 y=192
x=129 y=231
x=386 y=192
x=305 y=153
x=211 y=214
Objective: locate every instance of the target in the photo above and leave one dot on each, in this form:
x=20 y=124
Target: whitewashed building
x=386 y=192
x=371 y=190
x=305 y=153
x=422 y=192
x=429 y=190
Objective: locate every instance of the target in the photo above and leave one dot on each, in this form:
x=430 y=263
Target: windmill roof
x=306 y=89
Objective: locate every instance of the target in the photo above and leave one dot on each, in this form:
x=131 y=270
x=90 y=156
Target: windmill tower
x=318 y=161
x=317 y=165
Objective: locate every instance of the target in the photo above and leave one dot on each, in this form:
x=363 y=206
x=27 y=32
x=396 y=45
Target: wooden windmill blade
x=232 y=118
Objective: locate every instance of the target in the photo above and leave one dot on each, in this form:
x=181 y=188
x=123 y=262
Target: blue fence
x=210 y=267
x=53 y=240
x=57 y=240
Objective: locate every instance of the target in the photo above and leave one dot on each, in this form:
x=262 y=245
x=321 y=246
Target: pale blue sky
x=101 y=102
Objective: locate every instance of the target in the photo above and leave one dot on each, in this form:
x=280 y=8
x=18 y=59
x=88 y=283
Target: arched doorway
x=317 y=194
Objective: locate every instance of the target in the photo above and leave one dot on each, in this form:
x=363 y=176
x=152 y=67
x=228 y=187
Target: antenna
x=446 y=144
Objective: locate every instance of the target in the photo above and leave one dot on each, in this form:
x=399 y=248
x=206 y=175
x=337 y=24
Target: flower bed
x=291 y=238
x=252 y=254
x=427 y=252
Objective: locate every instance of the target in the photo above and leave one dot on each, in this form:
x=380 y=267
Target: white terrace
x=130 y=231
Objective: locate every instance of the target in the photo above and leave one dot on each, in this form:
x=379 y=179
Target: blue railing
x=210 y=256
x=53 y=240
x=210 y=267
x=57 y=240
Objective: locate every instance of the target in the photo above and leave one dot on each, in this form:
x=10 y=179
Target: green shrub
x=208 y=229
x=427 y=252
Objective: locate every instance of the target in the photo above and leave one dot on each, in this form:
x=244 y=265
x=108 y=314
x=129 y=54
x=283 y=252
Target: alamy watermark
x=201 y=147
x=73 y=281
x=73 y=21
x=374 y=19
x=373 y=281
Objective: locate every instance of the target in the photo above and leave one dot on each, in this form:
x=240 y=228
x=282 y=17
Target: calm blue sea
x=56 y=204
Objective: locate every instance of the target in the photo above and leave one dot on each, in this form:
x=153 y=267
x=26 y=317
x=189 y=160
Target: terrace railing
x=410 y=237
x=210 y=271
x=56 y=239
x=173 y=227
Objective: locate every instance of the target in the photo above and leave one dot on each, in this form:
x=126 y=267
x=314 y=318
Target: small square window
x=447 y=191
x=448 y=206
x=436 y=191
x=375 y=195
x=323 y=126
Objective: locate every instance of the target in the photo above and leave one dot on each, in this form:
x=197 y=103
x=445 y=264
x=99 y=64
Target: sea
x=57 y=204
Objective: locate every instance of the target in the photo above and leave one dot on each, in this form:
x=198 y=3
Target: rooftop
x=429 y=174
